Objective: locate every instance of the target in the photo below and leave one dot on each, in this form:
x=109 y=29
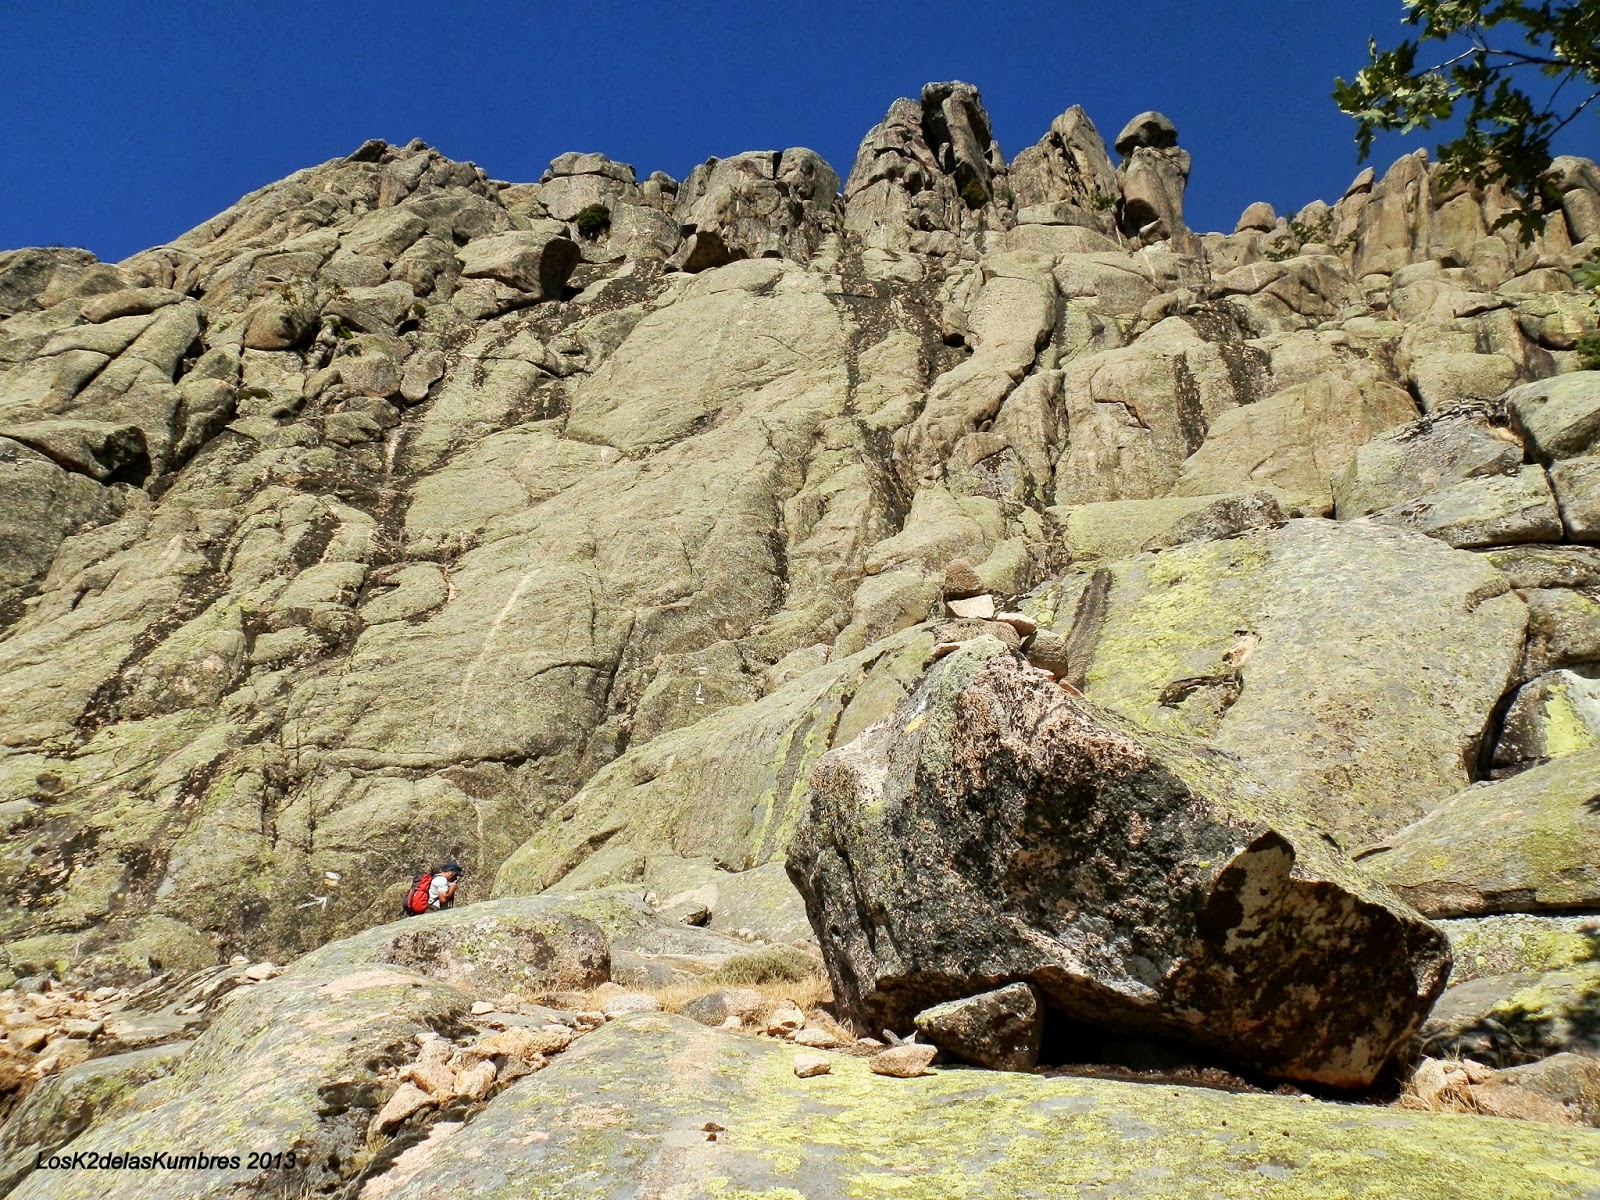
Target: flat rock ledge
x=659 y=1105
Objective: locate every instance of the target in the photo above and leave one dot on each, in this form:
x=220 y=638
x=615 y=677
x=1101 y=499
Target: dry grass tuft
x=770 y=964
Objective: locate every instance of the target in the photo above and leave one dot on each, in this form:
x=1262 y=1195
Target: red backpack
x=417 y=898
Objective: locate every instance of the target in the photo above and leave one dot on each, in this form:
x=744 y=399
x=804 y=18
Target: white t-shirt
x=437 y=889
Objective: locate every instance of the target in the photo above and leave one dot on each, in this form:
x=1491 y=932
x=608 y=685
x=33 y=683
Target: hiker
x=432 y=890
x=442 y=891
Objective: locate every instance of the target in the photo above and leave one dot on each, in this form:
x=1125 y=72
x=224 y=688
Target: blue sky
x=129 y=122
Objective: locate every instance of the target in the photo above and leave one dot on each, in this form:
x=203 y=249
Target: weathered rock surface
x=1509 y=1019
x=1506 y=944
x=562 y=527
x=1553 y=715
x=1530 y=843
x=995 y=829
x=1496 y=510
x=64 y=1105
x=1559 y=418
x=956 y=1133
x=1570 y=1080
x=1279 y=646
x=530 y=944
x=1424 y=456
x=1001 y=1029
x=292 y=1064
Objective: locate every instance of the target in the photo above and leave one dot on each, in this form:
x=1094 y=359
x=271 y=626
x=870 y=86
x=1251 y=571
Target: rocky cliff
x=563 y=527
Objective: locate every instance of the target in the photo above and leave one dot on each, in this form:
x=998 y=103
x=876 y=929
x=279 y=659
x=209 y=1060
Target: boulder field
x=942 y=656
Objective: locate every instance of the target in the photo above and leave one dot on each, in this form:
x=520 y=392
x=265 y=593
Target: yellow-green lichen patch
x=962 y=1133
x=1523 y=844
x=1519 y=942
x=1175 y=616
x=1565 y=729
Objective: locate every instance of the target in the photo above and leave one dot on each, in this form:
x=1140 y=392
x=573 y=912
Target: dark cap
x=452 y=866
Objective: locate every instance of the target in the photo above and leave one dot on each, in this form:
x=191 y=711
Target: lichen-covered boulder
x=1524 y=844
x=996 y=830
x=658 y=1105
x=1508 y=943
x=1493 y=510
x=1353 y=664
x=1558 y=418
x=1518 y=1018
x=1001 y=1029
x=1555 y=714
x=520 y=944
x=293 y=1064
x=1424 y=456
x=64 y=1105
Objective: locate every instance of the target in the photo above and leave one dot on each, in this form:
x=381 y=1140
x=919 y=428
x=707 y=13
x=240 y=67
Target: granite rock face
x=998 y=829
x=562 y=527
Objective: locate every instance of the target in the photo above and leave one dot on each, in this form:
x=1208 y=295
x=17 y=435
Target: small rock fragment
x=474 y=1082
x=785 y=1019
x=482 y=1008
x=974 y=608
x=1048 y=651
x=961 y=581
x=630 y=1002
x=431 y=1076
x=714 y=1008
x=815 y=1037
x=905 y=1061
x=1021 y=622
x=408 y=1100
x=808 y=1065
x=262 y=971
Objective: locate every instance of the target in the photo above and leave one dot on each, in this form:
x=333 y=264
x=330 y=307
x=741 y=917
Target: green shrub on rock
x=593 y=221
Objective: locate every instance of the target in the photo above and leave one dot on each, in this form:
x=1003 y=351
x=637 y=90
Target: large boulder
x=1519 y=1017
x=1281 y=646
x=1558 y=418
x=535 y=261
x=1424 y=456
x=527 y=944
x=1524 y=844
x=995 y=829
x=658 y=1105
x=1496 y=510
x=1293 y=441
